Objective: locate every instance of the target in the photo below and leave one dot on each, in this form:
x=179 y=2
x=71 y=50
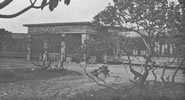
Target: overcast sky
x=78 y=10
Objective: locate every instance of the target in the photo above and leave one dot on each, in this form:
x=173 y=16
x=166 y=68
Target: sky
x=77 y=11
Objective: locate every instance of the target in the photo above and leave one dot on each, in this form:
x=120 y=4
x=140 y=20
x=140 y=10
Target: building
x=12 y=45
x=53 y=34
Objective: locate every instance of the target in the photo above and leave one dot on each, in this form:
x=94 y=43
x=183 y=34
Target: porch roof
x=58 y=24
x=68 y=28
x=60 y=28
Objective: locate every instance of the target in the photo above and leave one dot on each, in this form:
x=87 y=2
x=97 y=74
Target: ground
x=61 y=84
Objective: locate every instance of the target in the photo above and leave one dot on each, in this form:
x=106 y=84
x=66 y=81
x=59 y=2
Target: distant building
x=13 y=44
x=19 y=41
x=31 y=45
x=73 y=33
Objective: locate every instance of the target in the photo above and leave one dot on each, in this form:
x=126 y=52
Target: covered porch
x=57 y=40
x=55 y=43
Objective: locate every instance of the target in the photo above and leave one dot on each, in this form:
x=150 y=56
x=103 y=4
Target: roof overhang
x=58 y=24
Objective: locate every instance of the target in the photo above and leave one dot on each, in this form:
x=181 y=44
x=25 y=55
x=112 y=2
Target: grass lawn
x=43 y=85
x=15 y=75
x=121 y=93
x=170 y=92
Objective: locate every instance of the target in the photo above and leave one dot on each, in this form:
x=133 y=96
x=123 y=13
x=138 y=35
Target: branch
x=156 y=36
x=136 y=74
x=155 y=77
x=162 y=75
x=38 y=7
x=37 y=65
x=177 y=69
x=41 y=6
x=98 y=83
x=16 y=14
x=5 y=3
x=32 y=2
x=32 y=5
x=171 y=62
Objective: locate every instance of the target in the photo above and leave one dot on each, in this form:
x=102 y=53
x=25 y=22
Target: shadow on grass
x=121 y=93
x=14 y=75
x=170 y=92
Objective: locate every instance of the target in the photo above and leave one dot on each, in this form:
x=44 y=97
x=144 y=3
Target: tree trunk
x=177 y=69
x=146 y=71
x=143 y=78
x=155 y=78
x=162 y=75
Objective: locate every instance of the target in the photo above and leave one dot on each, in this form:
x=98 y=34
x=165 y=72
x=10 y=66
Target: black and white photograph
x=92 y=49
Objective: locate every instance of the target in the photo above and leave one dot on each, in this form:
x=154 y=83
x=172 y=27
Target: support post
x=62 y=52
x=105 y=58
x=84 y=37
x=28 y=47
x=45 y=53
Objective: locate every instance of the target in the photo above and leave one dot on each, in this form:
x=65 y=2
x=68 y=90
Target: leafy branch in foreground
x=33 y=5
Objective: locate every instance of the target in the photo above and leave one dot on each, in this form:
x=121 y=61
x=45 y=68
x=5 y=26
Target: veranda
x=60 y=39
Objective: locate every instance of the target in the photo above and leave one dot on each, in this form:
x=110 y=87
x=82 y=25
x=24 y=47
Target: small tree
x=179 y=39
x=150 y=19
x=46 y=47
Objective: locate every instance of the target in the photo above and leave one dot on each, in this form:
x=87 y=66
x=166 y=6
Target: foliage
x=33 y=5
x=5 y=37
x=150 y=19
x=182 y=16
x=101 y=70
x=179 y=39
x=105 y=43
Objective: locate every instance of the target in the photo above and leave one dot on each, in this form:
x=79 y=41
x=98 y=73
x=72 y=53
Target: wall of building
x=14 y=45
